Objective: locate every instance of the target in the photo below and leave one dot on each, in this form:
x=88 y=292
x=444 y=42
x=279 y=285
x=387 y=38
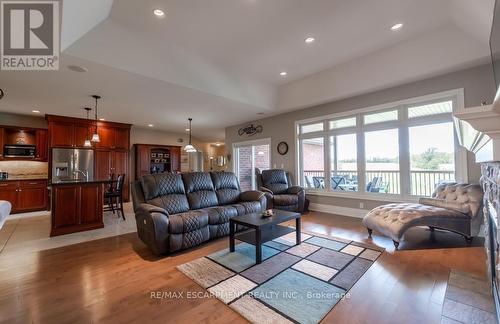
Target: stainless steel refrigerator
x=72 y=163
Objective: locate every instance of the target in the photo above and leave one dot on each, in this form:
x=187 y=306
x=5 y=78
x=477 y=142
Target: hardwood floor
x=111 y=280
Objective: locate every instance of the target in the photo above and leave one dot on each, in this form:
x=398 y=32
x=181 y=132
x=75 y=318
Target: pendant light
x=190 y=148
x=87 y=142
x=95 y=136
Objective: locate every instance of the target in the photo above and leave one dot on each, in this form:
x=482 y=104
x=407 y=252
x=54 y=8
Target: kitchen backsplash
x=25 y=168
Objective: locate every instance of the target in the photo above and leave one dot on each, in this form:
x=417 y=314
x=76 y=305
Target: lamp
x=469 y=137
x=190 y=148
x=95 y=136
x=87 y=142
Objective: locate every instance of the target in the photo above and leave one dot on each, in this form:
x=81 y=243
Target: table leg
x=297 y=230
x=231 y=236
x=258 y=246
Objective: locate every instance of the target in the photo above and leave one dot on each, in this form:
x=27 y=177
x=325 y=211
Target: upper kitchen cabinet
x=42 y=144
x=61 y=134
x=68 y=132
x=122 y=138
x=22 y=143
x=82 y=132
x=72 y=132
x=113 y=136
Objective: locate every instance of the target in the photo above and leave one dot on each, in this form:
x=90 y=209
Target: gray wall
x=478 y=86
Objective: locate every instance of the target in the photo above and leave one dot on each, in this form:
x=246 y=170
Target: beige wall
x=477 y=83
x=8 y=119
x=210 y=149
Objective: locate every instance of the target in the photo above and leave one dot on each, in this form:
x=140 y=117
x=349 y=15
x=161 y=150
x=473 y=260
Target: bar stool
x=115 y=194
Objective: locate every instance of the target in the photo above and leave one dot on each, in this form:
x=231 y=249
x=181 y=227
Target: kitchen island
x=77 y=205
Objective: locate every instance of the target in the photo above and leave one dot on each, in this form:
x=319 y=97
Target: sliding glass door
x=247 y=157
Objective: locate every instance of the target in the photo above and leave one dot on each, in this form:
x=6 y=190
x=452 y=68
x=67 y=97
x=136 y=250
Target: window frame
x=402 y=124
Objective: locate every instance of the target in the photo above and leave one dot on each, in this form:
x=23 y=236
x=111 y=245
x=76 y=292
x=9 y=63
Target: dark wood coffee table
x=262 y=229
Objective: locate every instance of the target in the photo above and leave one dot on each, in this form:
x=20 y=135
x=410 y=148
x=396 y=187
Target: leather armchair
x=280 y=193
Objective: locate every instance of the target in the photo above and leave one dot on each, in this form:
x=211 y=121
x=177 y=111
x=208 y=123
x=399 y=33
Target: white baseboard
x=338 y=210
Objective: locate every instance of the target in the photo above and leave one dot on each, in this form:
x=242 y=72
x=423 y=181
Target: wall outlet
x=362 y=205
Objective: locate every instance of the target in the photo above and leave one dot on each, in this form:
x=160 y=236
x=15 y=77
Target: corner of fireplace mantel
x=485 y=119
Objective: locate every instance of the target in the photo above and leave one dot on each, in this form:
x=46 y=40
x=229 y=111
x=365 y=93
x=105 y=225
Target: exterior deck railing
x=387 y=181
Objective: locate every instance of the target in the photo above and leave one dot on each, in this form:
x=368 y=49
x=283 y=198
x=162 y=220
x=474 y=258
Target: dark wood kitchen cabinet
x=9 y=192
x=13 y=135
x=107 y=137
x=33 y=195
x=67 y=133
x=113 y=136
x=42 y=145
x=156 y=159
x=25 y=195
x=113 y=162
x=76 y=207
x=61 y=134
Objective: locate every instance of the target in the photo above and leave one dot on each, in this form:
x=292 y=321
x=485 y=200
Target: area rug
x=293 y=284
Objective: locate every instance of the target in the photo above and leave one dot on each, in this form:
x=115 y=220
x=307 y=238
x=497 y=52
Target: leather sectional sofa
x=175 y=212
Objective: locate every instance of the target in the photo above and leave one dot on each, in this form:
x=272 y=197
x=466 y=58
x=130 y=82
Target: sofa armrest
x=301 y=193
x=251 y=195
x=152 y=209
x=152 y=227
x=265 y=190
x=462 y=208
x=294 y=190
x=254 y=195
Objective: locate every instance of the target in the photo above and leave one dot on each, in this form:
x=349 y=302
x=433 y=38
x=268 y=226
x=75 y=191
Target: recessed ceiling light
x=151 y=125
x=396 y=26
x=159 y=13
x=283 y=73
x=187 y=129
x=102 y=119
x=309 y=40
x=36 y=111
x=217 y=144
x=77 y=68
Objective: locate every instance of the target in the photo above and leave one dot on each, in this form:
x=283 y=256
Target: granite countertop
x=26 y=177
x=76 y=181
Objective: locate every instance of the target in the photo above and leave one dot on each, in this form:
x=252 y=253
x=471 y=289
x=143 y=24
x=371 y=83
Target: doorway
x=248 y=156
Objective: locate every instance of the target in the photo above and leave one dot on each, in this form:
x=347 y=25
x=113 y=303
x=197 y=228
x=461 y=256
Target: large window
x=382 y=161
x=431 y=161
x=313 y=160
x=403 y=149
x=343 y=163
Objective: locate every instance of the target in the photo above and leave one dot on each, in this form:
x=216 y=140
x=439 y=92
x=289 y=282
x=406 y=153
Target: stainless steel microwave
x=24 y=151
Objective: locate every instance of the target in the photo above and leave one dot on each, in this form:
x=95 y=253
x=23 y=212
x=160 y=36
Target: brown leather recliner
x=175 y=212
x=280 y=193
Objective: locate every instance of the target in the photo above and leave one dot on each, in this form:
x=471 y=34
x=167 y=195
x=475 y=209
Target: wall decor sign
x=250 y=130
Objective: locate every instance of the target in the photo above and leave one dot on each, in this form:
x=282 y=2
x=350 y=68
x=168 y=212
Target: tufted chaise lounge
x=453 y=207
x=175 y=212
